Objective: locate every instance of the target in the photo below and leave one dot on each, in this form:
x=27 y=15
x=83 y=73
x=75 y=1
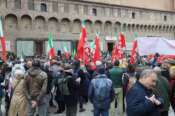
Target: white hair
x=157 y=69
x=146 y=73
x=18 y=72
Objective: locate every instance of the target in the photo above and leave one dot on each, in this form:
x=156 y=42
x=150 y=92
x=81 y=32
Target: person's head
x=76 y=64
x=68 y=69
x=53 y=61
x=148 y=78
x=165 y=65
x=59 y=52
x=98 y=64
x=91 y=66
x=116 y=63
x=29 y=63
x=36 y=63
x=131 y=68
x=156 y=55
x=18 y=74
x=157 y=70
x=101 y=69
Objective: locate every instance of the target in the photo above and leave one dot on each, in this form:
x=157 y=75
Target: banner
x=152 y=45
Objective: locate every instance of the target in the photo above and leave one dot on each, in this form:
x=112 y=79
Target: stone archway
x=129 y=27
x=40 y=23
x=65 y=25
x=98 y=26
x=124 y=27
x=11 y=22
x=53 y=24
x=108 y=28
x=76 y=26
x=26 y=22
x=117 y=27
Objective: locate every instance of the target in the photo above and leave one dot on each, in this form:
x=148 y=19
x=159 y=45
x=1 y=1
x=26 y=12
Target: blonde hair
x=172 y=71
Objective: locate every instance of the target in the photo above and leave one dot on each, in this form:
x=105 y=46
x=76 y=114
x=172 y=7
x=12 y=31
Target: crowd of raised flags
x=87 y=52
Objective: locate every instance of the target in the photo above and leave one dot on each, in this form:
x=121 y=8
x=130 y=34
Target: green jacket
x=163 y=90
x=116 y=76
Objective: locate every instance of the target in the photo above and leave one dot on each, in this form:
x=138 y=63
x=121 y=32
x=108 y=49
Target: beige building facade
x=27 y=23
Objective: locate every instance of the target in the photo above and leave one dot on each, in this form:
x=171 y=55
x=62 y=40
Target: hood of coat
x=34 y=71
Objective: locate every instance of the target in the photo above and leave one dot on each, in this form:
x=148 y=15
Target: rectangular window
x=76 y=8
x=115 y=13
x=102 y=11
x=55 y=6
x=133 y=15
x=94 y=12
x=25 y=48
x=31 y=4
x=165 y=18
x=108 y=12
x=85 y=10
x=119 y=12
x=61 y=7
x=66 y=8
x=43 y=7
x=18 y=4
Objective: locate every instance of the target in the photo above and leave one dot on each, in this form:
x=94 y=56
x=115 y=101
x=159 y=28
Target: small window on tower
x=43 y=7
x=165 y=18
x=94 y=11
x=133 y=15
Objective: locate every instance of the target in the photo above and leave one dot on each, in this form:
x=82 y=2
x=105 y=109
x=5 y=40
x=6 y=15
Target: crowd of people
x=31 y=86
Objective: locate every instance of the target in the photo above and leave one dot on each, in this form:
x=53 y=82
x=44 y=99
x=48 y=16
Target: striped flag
x=51 y=50
x=3 y=42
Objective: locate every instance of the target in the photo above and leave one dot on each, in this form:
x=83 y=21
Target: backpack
x=102 y=88
x=63 y=85
x=55 y=71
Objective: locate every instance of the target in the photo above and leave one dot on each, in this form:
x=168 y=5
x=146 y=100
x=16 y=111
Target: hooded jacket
x=36 y=84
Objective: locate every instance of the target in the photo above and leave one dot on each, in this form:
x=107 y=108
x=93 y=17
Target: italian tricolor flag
x=51 y=51
x=3 y=43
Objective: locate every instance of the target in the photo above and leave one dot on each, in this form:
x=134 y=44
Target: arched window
x=43 y=7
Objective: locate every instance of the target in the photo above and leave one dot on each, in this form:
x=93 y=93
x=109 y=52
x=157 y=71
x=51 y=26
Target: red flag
x=121 y=41
x=133 y=52
x=116 y=53
x=3 y=42
x=97 y=53
x=87 y=54
x=81 y=43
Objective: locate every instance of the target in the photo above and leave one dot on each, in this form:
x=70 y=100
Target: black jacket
x=137 y=104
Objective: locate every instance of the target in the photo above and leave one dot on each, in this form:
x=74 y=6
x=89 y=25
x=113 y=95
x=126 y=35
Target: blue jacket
x=109 y=95
x=137 y=104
